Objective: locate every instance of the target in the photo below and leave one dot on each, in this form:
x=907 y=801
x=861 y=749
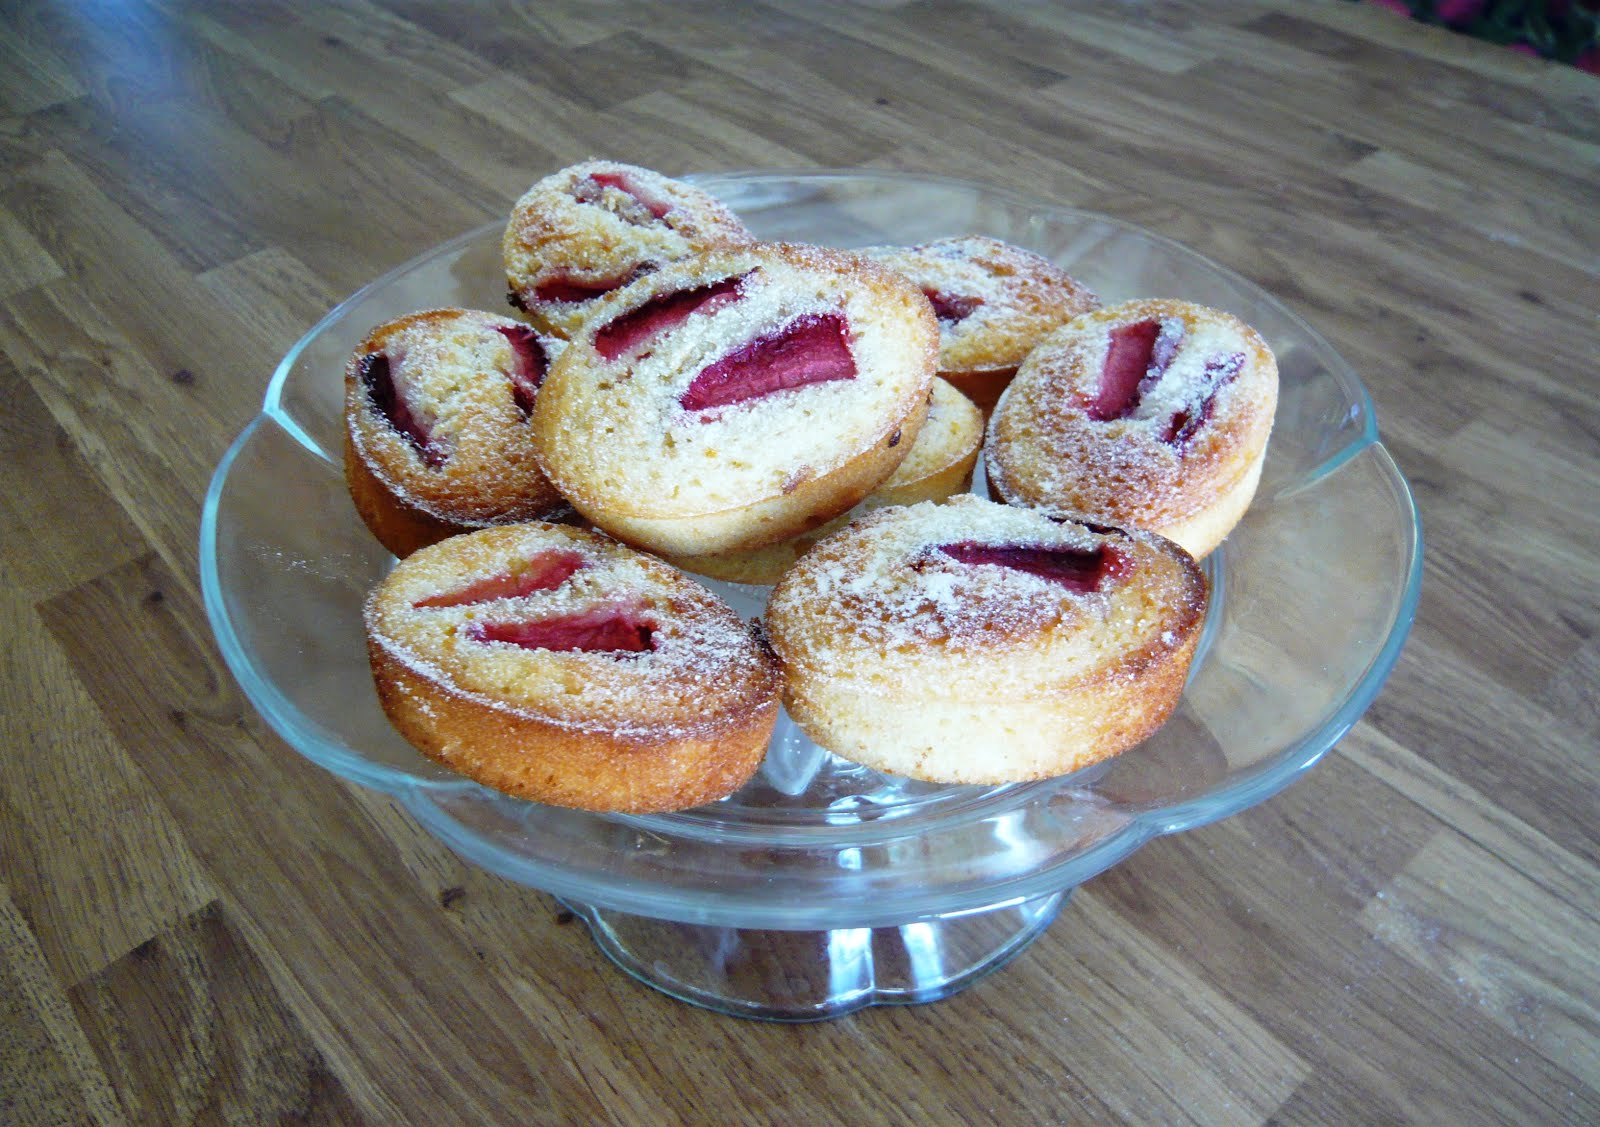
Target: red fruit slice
x=378 y=378
x=529 y=366
x=665 y=311
x=601 y=630
x=570 y=289
x=643 y=208
x=1183 y=426
x=1083 y=571
x=545 y=571
x=1127 y=361
x=952 y=308
x=810 y=349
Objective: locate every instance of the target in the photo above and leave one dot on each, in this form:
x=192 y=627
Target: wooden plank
x=48 y=489
x=23 y=262
x=33 y=76
x=1351 y=991
x=90 y=887
x=190 y=1029
x=1475 y=816
x=155 y=463
x=1527 y=961
x=48 y=1071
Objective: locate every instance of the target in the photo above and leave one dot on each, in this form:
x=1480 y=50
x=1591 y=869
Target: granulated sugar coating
x=939 y=465
x=591 y=228
x=753 y=412
x=559 y=665
x=1153 y=414
x=972 y=642
x=994 y=301
x=438 y=438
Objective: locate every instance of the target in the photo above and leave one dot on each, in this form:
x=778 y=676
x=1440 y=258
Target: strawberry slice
x=1135 y=362
x=544 y=571
x=564 y=289
x=529 y=364
x=662 y=312
x=589 y=190
x=1078 y=570
x=1183 y=426
x=601 y=630
x=810 y=349
x=377 y=377
x=952 y=309
x=1127 y=361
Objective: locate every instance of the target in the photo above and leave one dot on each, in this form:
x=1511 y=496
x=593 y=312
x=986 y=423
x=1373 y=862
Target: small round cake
x=594 y=227
x=437 y=434
x=939 y=465
x=994 y=302
x=1152 y=413
x=970 y=642
x=737 y=398
x=554 y=664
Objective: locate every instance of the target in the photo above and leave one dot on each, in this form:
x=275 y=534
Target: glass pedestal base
x=817 y=975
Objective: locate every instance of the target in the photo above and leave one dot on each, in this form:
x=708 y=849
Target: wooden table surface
x=199 y=925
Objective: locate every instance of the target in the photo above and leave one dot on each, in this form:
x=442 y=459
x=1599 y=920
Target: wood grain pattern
x=196 y=925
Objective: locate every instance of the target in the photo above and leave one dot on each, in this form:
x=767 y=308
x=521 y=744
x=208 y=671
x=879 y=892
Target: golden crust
x=535 y=759
x=1022 y=296
x=612 y=435
x=681 y=725
x=939 y=465
x=554 y=236
x=491 y=476
x=1045 y=451
x=896 y=656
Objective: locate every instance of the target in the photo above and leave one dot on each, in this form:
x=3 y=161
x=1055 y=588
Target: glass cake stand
x=823 y=886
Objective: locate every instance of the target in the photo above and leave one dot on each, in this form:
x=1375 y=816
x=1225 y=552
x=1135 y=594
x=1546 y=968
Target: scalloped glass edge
x=419 y=795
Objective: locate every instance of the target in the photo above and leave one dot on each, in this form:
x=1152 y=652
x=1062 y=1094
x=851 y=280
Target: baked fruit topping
x=544 y=571
x=993 y=301
x=561 y=290
x=737 y=398
x=531 y=363
x=1138 y=355
x=437 y=434
x=971 y=642
x=554 y=664
x=1187 y=421
x=1153 y=414
x=1083 y=570
x=595 y=227
x=669 y=310
x=640 y=206
x=377 y=377
x=949 y=308
x=601 y=630
x=811 y=349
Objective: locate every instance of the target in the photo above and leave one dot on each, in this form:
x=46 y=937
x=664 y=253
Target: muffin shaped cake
x=939 y=465
x=437 y=434
x=738 y=397
x=554 y=664
x=994 y=302
x=1152 y=413
x=592 y=228
x=970 y=642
